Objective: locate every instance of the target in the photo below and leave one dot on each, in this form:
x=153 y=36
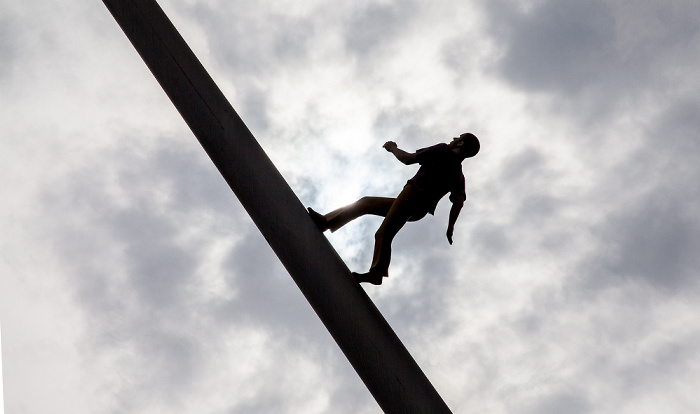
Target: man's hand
x=450 y=232
x=401 y=155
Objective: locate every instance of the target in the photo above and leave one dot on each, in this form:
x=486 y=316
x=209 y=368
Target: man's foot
x=319 y=219
x=369 y=277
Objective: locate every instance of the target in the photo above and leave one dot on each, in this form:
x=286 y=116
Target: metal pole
x=380 y=359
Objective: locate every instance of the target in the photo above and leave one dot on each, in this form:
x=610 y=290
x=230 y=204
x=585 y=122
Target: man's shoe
x=318 y=219
x=369 y=277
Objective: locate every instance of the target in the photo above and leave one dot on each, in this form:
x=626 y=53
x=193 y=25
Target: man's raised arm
x=401 y=155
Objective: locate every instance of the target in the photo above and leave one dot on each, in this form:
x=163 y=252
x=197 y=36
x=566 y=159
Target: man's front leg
x=369 y=277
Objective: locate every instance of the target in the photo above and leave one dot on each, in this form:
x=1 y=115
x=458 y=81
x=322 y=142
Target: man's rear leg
x=378 y=206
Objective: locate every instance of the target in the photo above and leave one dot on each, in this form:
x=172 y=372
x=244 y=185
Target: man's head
x=467 y=145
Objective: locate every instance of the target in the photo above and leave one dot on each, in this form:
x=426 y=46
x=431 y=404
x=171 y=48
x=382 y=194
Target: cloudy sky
x=132 y=281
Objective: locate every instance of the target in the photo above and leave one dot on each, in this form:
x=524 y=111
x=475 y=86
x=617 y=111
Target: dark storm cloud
x=254 y=110
x=429 y=276
x=522 y=215
x=655 y=241
x=268 y=299
x=138 y=279
x=376 y=25
x=539 y=207
x=163 y=365
x=268 y=296
x=193 y=181
x=404 y=123
x=8 y=48
x=655 y=238
x=258 y=44
x=265 y=44
x=589 y=55
x=127 y=267
x=556 y=46
x=253 y=50
x=677 y=133
x=491 y=241
x=562 y=402
x=157 y=267
x=522 y=167
x=661 y=365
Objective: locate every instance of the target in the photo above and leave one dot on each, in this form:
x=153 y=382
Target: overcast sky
x=132 y=281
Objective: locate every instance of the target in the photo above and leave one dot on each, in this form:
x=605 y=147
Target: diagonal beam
x=380 y=359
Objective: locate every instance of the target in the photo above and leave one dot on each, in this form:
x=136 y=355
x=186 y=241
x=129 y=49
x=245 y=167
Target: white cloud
x=133 y=281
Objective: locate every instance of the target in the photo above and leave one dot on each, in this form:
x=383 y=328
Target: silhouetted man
x=440 y=173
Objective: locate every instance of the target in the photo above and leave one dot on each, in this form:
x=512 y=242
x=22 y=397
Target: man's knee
x=376 y=201
x=387 y=231
x=379 y=234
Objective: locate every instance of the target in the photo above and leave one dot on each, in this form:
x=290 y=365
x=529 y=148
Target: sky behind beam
x=131 y=280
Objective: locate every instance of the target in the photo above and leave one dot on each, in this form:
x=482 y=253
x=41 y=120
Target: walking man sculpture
x=440 y=172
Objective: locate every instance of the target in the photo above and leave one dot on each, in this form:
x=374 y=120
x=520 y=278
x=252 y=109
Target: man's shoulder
x=436 y=147
x=432 y=151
